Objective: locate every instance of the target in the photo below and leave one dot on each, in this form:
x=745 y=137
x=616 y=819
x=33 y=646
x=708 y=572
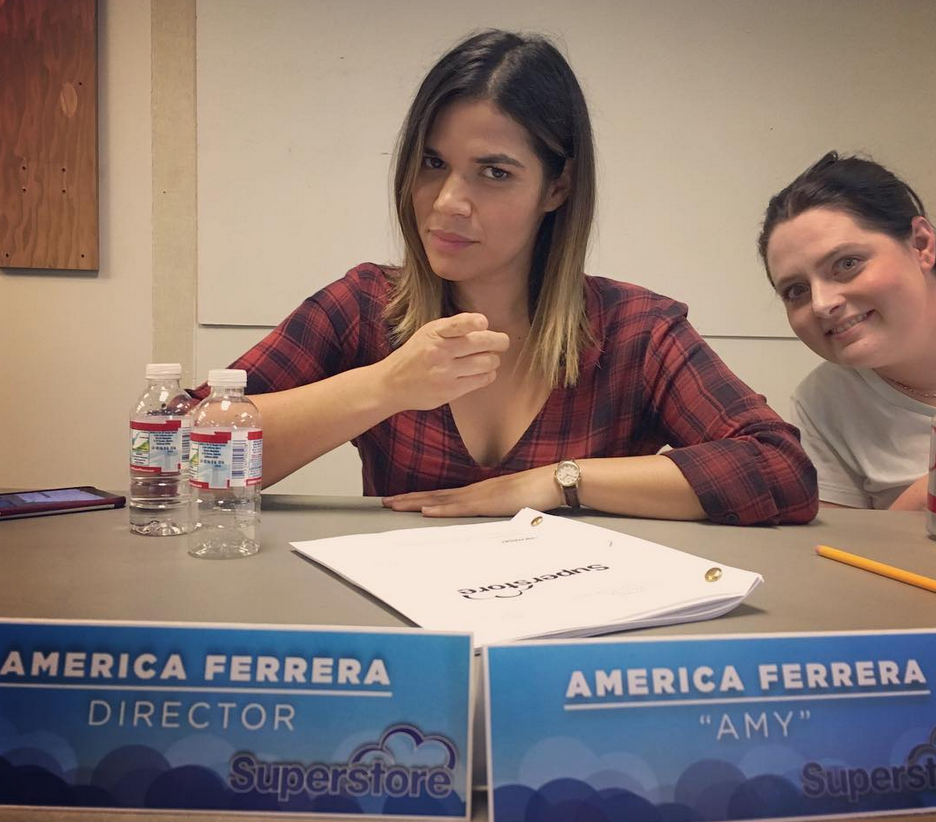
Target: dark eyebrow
x=486 y=160
x=499 y=160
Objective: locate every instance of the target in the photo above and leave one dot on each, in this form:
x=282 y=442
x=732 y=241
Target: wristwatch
x=568 y=473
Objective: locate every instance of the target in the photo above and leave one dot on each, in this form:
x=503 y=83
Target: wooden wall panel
x=48 y=134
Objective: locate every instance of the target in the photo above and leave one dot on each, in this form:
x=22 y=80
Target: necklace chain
x=928 y=394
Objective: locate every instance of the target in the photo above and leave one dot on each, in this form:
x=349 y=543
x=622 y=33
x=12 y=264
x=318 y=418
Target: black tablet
x=56 y=501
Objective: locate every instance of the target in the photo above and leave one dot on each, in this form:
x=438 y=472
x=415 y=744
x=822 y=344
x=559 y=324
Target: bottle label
x=160 y=445
x=226 y=459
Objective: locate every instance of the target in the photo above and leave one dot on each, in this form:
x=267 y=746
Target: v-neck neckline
x=527 y=433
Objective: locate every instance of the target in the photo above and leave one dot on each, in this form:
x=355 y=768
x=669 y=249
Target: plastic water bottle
x=159 y=501
x=226 y=469
x=931 y=495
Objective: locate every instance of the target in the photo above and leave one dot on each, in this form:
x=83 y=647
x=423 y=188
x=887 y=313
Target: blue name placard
x=235 y=718
x=741 y=727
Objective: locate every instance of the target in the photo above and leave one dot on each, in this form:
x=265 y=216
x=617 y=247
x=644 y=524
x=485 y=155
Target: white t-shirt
x=867 y=440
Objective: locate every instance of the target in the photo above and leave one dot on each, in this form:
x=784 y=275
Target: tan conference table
x=88 y=566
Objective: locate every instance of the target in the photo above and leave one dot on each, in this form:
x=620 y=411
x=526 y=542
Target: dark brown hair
x=874 y=196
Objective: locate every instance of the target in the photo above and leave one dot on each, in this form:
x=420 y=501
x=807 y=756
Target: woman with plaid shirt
x=488 y=372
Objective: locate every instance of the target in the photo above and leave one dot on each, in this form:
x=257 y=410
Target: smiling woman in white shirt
x=850 y=252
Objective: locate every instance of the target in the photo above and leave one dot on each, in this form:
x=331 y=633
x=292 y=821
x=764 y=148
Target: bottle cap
x=227 y=377
x=167 y=370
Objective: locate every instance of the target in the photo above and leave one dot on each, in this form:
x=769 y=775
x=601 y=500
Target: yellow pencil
x=877 y=567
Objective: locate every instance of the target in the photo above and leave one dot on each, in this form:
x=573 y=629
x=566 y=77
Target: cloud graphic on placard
x=771 y=758
x=927 y=749
x=201 y=749
x=52 y=748
x=405 y=744
x=559 y=757
x=7 y=730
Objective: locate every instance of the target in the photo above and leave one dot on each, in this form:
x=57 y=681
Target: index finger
x=476 y=341
x=460 y=325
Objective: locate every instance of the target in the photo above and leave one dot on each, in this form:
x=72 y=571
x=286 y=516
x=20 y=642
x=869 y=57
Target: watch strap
x=569 y=490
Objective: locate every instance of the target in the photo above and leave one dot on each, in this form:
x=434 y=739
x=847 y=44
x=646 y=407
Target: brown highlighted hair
x=527 y=79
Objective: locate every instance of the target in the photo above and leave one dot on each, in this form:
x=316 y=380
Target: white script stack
x=535 y=576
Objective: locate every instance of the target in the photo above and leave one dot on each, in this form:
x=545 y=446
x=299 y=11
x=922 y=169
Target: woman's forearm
x=301 y=424
x=443 y=360
x=649 y=486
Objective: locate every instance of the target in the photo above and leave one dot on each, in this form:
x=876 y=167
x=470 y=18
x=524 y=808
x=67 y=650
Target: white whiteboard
x=702 y=109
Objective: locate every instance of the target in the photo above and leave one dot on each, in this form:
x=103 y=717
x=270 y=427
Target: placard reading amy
x=790 y=725
x=248 y=718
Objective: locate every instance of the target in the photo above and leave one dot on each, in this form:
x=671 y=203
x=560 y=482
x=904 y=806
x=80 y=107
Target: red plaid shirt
x=650 y=381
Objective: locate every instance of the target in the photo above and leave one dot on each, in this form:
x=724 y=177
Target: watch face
x=567 y=474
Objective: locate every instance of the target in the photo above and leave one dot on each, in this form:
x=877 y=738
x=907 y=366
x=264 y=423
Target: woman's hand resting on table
x=496 y=497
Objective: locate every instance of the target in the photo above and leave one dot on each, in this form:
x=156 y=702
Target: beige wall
x=702 y=109
x=72 y=347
